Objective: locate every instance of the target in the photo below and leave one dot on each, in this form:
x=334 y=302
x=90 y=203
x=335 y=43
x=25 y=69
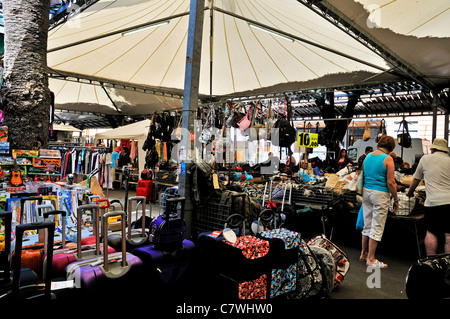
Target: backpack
x=241 y=202
x=283 y=134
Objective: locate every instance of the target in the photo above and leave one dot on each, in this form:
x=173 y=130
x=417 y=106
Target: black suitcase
x=429 y=278
x=18 y=289
x=27 y=275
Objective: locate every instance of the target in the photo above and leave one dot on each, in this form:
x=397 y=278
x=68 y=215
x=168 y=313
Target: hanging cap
x=440 y=144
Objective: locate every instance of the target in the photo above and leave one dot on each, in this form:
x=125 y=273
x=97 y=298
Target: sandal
x=377 y=264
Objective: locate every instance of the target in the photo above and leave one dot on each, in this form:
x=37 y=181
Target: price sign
x=307 y=140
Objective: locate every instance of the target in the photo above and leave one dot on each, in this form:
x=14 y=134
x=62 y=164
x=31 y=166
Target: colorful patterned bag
x=254 y=289
x=290 y=238
x=341 y=259
x=283 y=280
x=284 y=245
x=251 y=246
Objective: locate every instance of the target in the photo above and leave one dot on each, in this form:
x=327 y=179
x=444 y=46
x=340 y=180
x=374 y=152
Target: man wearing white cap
x=434 y=170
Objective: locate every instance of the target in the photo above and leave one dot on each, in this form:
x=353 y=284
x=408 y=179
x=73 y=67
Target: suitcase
x=34 y=256
x=314 y=274
x=429 y=278
x=27 y=276
x=113 y=274
x=135 y=237
x=284 y=245
x=341 y=259
x=168 y=230
x=168 y=272
x=34 y=290
x=65 y=256
x=145 y=188
x=236 y=260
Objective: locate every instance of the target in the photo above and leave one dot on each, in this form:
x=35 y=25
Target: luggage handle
x=103 y=200
x=63 y=226
x=7 y=218
x=240 y=223
x=20 y=229
x=116 y=201
x=90 y=198
x=171 y=201
x=95 y=209
x=139 y=200
x=105 y=243
x=39 y=208
x=25 y=199
x=266 y=216
x=39 y=218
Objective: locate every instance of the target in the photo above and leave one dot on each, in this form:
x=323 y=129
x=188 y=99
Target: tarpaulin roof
x=249 y=48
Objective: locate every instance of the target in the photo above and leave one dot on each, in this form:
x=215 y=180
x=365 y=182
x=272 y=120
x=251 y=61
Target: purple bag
x=111 y=273
x=168 y=230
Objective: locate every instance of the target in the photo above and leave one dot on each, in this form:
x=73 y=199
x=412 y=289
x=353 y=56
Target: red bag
x=251 y=246
x=145 y=188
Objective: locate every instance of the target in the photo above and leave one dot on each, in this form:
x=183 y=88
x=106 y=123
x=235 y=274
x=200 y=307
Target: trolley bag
x=168 y=230
x=235 y=260
x=18 y=290
x=429 y=278
x=251 y=259
x=134 y=237
x=32 y=255
x=113 y=274
x=27 y=275
x=145 y=188
x=167 y=271
x=341 y=259
x=65 y=256
x=284 y=246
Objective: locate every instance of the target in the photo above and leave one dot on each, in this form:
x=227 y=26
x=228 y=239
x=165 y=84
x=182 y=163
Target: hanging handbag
x=381 y=131
x=366 y=135
x=403 y=138
x=176 y=134
x=245 y=122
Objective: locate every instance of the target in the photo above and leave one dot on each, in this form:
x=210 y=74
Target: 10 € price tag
x=307 y=140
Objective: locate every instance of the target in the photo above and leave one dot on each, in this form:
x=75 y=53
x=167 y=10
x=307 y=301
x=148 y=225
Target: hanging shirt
x=114 y=157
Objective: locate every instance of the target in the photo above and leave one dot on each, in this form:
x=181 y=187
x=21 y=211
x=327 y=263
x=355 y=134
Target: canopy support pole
x=434 y=107
x=190 y=104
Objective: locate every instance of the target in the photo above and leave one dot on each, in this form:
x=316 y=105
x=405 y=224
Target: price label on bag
x=307 y=140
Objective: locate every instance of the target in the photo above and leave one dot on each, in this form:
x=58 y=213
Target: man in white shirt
x=434 y=170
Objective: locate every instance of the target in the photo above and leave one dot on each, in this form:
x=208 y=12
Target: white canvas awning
x=249 y=48
x=135 y=131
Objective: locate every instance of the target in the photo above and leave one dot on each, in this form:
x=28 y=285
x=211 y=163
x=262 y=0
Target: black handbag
x=381 y=131
x=404 y=139
x=429 y=278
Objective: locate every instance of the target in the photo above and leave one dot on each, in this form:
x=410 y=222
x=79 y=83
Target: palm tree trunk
x=26 y=96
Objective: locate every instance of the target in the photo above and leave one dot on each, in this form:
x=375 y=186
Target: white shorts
x=375 y=210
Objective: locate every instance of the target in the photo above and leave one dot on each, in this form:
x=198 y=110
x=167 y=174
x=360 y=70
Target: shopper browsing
x=379 y=184
x=343 y=160
x=369 y=149
x=434 y=170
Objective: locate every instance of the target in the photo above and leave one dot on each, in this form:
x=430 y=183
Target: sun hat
x=440 y=144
